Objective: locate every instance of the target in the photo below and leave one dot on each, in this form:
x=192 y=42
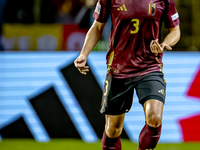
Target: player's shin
x=149 y=137
x=110 y=143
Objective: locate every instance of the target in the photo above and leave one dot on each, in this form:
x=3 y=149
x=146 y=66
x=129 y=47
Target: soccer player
x=134 y=61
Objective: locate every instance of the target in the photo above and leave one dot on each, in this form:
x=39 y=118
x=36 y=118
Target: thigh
x=117 y=96
x=152 y=86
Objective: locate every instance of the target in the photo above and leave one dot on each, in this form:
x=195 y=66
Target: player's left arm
x=170 y=40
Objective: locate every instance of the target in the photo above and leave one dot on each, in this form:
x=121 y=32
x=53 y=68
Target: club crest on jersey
x=151 y=8
x=98 y=8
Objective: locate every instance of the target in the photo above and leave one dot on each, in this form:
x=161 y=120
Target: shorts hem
x=159 y=98
x=110 y=113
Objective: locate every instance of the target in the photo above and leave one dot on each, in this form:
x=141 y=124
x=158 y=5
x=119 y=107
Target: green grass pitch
x=73 y=144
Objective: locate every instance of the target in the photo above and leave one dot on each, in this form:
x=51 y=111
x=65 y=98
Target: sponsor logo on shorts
x=162 y=92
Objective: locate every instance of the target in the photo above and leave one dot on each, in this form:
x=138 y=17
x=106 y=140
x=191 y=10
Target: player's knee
x=113 y=132
x=154 y=120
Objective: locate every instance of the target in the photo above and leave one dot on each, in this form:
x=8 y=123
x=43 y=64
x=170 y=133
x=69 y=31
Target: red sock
x=149 y=137
x=110 y=143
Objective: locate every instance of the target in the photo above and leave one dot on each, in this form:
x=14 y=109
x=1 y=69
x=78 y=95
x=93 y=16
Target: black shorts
x=118 y=93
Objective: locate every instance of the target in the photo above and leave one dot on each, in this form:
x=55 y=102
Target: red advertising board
x=73 y=37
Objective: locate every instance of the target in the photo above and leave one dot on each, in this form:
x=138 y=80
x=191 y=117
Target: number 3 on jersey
x=106 y=87
x=136 y=25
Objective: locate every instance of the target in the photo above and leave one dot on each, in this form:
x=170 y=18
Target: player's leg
x=113 y=129
x=150 y=133
x=116 y=101
x=151 y=93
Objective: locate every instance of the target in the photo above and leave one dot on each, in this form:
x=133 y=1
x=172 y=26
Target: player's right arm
x=91 y=39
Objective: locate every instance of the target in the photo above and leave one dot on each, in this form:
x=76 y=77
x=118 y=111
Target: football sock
x=110 y=143
x=149 y=137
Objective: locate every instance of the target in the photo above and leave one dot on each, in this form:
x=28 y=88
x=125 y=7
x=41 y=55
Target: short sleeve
x=102 y=11
x=171 y=16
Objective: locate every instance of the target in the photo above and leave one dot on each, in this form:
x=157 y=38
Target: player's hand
x=158 y=48
x=80 y=63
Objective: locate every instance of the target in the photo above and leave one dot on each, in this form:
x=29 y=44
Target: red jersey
x=135 y=23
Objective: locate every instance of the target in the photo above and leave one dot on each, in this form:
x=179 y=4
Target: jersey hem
x=123 y=76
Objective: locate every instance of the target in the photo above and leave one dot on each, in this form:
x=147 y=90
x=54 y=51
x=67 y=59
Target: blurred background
x=49 y=25
x=44 y=97
x=46 y=25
